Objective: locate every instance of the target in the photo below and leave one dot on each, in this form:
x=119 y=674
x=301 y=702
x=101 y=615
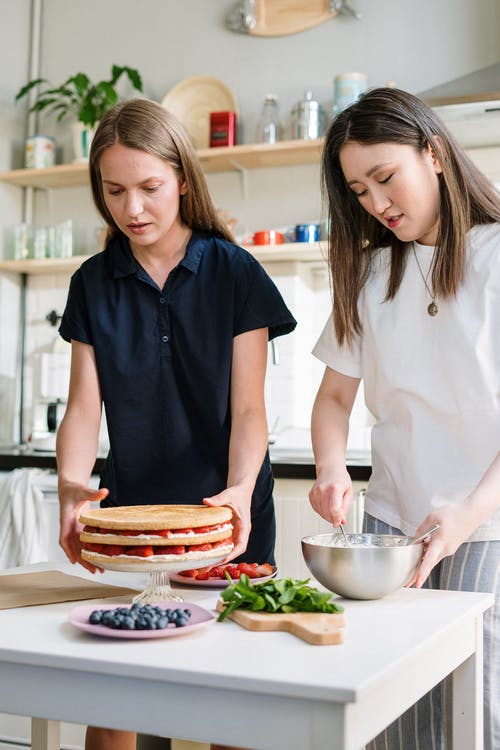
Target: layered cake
x=144 y=535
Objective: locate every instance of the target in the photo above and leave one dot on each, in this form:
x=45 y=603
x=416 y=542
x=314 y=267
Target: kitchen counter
x=289 y=461
x=304 y=697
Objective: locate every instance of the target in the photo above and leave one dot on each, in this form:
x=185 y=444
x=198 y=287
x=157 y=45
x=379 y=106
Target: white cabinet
x=15 y=733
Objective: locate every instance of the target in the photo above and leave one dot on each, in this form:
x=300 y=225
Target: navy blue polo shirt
x=164 y=363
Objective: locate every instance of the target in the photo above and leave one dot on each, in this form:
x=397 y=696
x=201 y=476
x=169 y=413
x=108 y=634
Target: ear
x=436 y=153
x=183 y=187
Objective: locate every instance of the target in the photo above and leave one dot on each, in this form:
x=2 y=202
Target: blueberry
x=95 y=617
x=128 y=623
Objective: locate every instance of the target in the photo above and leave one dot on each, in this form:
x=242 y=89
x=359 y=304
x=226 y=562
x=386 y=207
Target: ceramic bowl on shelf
x=371 y=567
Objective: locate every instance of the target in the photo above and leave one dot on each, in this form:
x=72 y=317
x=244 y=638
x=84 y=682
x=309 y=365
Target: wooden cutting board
x=282 y=17
x=314 y=627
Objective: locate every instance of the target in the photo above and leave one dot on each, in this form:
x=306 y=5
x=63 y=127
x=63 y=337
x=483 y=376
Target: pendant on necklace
x=432 y=309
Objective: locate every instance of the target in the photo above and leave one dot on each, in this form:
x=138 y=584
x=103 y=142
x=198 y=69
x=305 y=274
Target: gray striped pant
x=475 y=566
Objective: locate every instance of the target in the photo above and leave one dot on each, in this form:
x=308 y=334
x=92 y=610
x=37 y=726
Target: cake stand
x=157 y=587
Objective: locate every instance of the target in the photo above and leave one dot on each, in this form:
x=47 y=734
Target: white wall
x=416 y=44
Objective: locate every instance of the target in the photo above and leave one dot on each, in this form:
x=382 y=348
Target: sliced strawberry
x=114 y=549
x=200 y=547
x=264 y=570
x=217 y=571
x=222 y=542
x=175 y=549
x=163 y=549
x=94 y=547
x=142 y=551
x=182 y=531
x=189 y=573
x=248 y=569
x=90 y=529
x=203 y=574
x=233 y=570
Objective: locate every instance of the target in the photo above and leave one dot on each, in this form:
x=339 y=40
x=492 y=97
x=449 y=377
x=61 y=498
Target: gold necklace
x=432 y=308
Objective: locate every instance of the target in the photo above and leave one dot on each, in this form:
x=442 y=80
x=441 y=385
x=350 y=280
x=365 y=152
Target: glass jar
x=269 y=125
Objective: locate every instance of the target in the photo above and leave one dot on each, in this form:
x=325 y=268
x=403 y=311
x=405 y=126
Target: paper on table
x=50 y=587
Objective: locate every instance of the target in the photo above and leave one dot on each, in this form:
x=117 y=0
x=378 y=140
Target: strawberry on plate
x=250 y=569
x=265 y=570
x=190 y=573
x=216 y=576
x=203 y=575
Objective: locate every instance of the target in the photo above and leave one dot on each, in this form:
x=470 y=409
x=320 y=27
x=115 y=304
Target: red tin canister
x=222 y=129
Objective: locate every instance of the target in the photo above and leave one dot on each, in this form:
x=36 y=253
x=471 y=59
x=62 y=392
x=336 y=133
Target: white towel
x=23 y=523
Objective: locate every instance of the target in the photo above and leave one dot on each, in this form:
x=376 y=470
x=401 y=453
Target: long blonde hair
x=147 y=126
x=467 y=198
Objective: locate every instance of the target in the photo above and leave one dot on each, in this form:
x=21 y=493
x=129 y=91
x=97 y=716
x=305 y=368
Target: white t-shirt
x=431 y=383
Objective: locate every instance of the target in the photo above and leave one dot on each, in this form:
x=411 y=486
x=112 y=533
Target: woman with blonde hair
x=169 y=328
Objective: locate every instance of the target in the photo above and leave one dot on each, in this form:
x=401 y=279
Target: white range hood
x=470 y=106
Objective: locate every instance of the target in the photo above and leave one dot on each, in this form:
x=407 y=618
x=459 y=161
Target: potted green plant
x=79 y=97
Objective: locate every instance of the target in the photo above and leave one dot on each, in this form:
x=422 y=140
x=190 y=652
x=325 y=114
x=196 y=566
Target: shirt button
x=162 y=300
x=164 y=339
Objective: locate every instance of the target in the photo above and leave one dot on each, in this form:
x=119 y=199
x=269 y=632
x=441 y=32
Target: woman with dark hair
x=415 y=269
x=169 y=328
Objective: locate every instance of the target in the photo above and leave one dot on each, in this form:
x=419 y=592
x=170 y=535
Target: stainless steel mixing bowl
x=371 y=567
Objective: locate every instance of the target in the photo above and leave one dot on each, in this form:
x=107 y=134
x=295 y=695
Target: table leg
x=468 y=718
x=45 y=734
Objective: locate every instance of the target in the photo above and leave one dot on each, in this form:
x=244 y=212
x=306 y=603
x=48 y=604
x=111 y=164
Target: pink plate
x=200 y=617
x=215 y=583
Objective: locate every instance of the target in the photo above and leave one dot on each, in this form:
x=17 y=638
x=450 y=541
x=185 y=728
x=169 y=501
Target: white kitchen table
x=224 y=684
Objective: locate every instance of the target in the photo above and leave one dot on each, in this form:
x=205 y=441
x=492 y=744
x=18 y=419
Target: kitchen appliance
x=51 y=383
x=470 y=106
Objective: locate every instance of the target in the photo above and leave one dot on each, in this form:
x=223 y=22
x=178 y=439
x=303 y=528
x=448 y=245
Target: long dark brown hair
x=145 y=125
x=467 y=198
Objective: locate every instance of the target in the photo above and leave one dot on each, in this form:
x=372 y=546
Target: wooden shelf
x=236 y=158
x=35 y=266
x=260 y=155
x=64 y=175
x=294 y=251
